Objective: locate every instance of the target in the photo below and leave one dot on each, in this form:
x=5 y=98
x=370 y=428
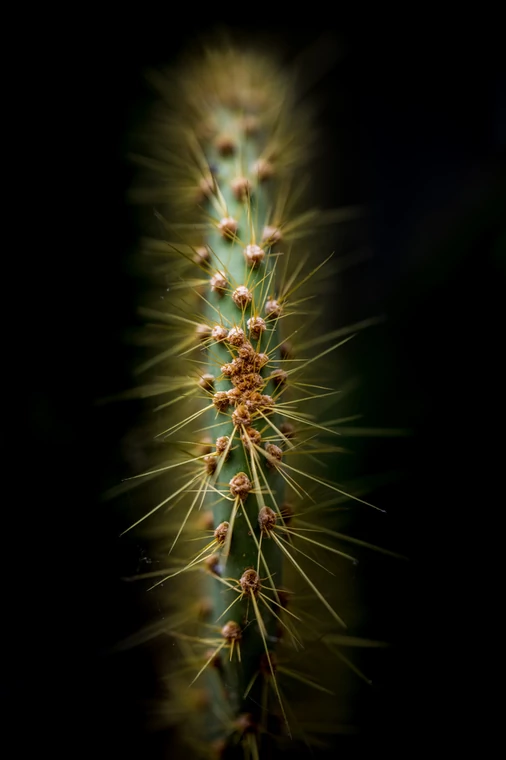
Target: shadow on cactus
x=253 y=576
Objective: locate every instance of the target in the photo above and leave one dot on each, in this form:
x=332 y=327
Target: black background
x=417 y=113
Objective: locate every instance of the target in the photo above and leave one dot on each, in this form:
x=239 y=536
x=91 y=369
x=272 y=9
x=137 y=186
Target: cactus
x=237 y=464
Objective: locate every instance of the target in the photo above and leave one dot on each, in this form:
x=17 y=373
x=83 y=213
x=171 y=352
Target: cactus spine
x=228 y=179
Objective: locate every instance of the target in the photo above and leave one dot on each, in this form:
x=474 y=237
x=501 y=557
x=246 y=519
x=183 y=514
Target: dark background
x=416 y=115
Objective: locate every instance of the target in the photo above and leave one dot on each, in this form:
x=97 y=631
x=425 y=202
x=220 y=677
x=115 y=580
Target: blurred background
x=415 y=128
